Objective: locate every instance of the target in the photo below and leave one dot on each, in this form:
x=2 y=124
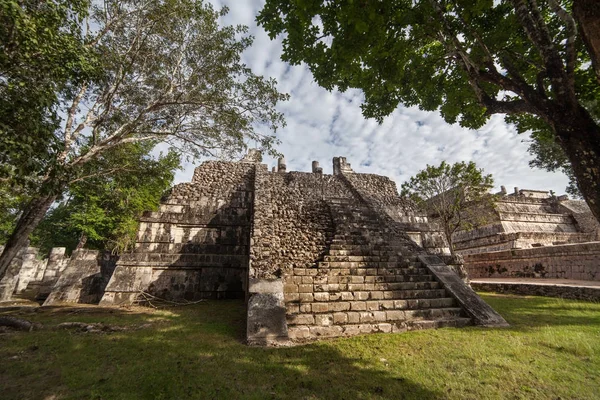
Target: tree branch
x=572 y=35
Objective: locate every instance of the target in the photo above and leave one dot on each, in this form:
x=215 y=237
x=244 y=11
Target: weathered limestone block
x=479 y=310
x=57 y=262
x=80 y=282
x=266 y=324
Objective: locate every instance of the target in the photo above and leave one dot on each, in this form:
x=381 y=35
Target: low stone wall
x=80 y=282
x=528 y=289
x=571 y=261
x=56 y=279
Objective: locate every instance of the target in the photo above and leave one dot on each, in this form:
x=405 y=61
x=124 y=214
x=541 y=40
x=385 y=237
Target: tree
x=166 y=72
x=467 y=58
x=103 y=212
x=550 y=156
x=42 y=56
x=455 y=195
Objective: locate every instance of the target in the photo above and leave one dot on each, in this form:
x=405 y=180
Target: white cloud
x=322 y=125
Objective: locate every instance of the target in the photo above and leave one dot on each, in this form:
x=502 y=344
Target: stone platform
x=563 y=288
x=315 y=255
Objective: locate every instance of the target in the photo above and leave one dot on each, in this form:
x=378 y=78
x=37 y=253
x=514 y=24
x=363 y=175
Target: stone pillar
x=340 y=166
x=281 y=166
x=266 y=324
x=315 y=168
x=274 y=169
x=516 y=191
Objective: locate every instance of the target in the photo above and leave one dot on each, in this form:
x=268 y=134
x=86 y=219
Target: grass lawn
x=551 y=351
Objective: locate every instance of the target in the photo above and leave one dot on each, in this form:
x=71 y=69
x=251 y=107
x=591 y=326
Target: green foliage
x=82 y=79
x=456 y=195
x=104 y=209
x=42 y=57
x=467 y=59
x=12 y=201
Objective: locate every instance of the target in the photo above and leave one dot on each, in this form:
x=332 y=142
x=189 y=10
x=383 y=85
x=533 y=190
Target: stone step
x=418 y=282
x=405 y=263
x=346 y=279
x=384 y=270
x=367 y=287
x=373 y=252
x=382 y=256
x=364 y=295
x=370 y=305
x=301 y=333
x=369 y=247
x=356 y=317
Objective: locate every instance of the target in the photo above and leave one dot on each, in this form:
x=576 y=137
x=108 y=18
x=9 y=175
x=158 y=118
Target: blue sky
x=322 y=125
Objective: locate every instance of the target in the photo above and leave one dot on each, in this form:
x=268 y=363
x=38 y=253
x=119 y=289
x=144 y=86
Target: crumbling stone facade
x=57 y=279
x=533 y=234
x=315 y=255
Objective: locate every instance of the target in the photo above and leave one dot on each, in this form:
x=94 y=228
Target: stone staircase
x=370 y=281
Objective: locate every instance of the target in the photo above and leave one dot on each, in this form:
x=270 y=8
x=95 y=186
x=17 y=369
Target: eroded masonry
x=533 y=234
x=315 y=255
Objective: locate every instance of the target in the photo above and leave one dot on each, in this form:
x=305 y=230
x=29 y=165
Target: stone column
x=281 y=166
x=315 y=168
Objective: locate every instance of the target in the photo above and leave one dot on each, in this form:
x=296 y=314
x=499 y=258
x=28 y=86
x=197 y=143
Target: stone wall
x=27 y=261
x=292 y=224
x=572 y=261
x=56 y=279
x=80 y=282
x=196 y=245
x=529 y=289
x=580 y=211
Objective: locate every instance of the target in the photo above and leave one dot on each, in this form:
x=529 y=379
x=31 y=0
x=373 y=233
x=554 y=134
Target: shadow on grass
x=189 y=352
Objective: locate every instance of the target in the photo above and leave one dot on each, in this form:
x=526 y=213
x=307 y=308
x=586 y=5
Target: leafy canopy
x=104 y=210
x=466 y=58
x=42 y=57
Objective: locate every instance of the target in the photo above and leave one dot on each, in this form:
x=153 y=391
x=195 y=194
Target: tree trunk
x=82 y=241
x=587 y=15
x=448 y=234
x=31 y=217
x=579 y=136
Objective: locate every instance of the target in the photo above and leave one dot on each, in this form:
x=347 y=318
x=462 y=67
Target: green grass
x=551 y=351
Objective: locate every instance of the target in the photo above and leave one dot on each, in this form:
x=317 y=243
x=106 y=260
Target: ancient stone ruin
x=57 y=279
x=315 y=255
x=533 y=234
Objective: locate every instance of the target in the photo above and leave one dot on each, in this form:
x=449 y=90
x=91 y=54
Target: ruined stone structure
x=533 y=234
x=57 y=279
x=315 y=255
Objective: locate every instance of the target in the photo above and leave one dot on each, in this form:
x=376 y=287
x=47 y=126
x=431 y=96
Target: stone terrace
x=315 y=255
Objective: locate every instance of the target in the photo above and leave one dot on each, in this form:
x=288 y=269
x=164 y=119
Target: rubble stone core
x=315 y=255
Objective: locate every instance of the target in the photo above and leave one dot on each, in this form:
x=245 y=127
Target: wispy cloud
x=322 y=125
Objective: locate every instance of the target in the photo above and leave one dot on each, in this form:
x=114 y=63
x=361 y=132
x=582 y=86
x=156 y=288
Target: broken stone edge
x=266 y=314
x=481 y=312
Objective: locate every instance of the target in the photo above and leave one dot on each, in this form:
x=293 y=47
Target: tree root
x=19 y=324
